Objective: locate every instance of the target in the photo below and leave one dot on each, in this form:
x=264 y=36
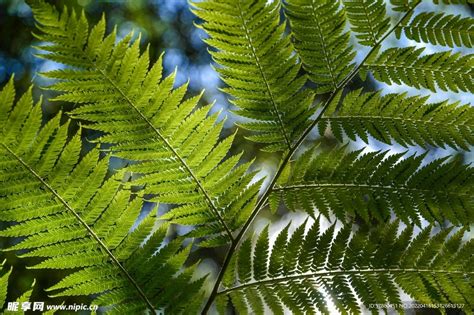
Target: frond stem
x=366 y=186
x=324 y=45
x=262 y=201
x=339 y=272
x=411 y=67
x=372 y=31
x=435 y=29
x=85 y=225
x=378 y=117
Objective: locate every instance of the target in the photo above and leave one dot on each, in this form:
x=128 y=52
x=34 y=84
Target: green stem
x=330 y=273
x=370 y=186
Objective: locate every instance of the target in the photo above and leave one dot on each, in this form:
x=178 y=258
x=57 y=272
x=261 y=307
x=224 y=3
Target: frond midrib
x=429 y=27
x=392 y=118
x=170 y=147
x=423 y=67
x=367 y=186
x=324 y=45
x=326 y=273
x=264 y=77
x=372 y=33
x=83 y=223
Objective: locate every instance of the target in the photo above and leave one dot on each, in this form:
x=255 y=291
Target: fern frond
x=407 y=5
x=180 y=157
x=4 y=284
x=68 y=214
x=368 y=18
x=321 y=41
x=5 y=276
x=396 y=117
x=443 y=70
x=372 y=185
x=403 y=5
x=299 y=271
x=259 y=67
x=439 y=29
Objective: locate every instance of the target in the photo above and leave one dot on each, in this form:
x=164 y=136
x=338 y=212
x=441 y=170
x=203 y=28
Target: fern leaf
x=321 y=41
x=439 y=29
x=374 y=184
x=24 y=297
x=68 y=214
x=365 y=265
x=4 y=284
x=403 y=5
x=407 y=5
x=368 y=18
x=180 y=158
x=443 y=70
x=396 y=117
x=259 y=67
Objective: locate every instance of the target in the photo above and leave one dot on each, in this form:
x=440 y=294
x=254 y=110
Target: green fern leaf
x=443 y=70
x=321 y=41
x=259 y=67
x=439 y=29
x=68 y=214
x=396 y=117
x=366 y=265
x=4 y=285
x=180 y=158
x=403 y=5
x=368 y=18
x=372 y=185
x=25 y=297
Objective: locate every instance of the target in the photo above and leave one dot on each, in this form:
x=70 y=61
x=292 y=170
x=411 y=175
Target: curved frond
x=396 y=117
x=439 y=29
x=368 y=18
x=300 y=271
x=176 y=144
x=259 y=67
x=321 y=41
x=372 y=185
x=68 y=214
x=444 y=70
